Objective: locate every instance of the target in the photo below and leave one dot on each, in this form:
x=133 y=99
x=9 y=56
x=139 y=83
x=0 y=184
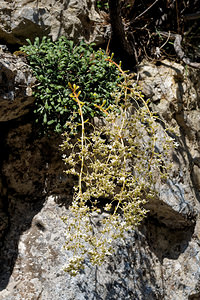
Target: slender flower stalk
x=116 y=165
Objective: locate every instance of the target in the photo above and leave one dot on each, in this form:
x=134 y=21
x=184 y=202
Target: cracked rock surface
x=76 y=19
x=16 y=81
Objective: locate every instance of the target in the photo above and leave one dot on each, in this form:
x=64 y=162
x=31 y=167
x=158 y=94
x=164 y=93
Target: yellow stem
x=82 y=139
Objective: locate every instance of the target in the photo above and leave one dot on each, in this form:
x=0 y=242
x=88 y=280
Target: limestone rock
x=155 y=262
x=31 y=170
x=175 y=98
x=30 y=18
x=196 y=176
x=169 y=86
x=16 y=81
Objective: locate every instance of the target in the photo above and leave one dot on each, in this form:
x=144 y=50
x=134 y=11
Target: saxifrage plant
x=55 y=64
x=115 y=166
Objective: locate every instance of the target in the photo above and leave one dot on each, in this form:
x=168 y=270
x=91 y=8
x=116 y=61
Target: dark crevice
x=166 y=242
x=195 y=296
x=4 y=215
x=4 y=205
x=15 y=213
x=21 y=215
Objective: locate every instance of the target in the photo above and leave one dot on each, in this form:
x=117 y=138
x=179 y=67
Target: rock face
x=30 y=18
x=158 y=261
x=16 y=83
x=175 y=96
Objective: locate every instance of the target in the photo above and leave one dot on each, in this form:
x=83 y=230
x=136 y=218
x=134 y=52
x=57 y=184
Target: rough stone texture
x=161 y=260
x=175 y=97
x=35 y=169
x=75 y=19
x=155 y=263
x=16 y=83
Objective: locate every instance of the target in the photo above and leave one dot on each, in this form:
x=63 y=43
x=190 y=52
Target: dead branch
x=180 y=53
x=148 y=8
x=192 y=16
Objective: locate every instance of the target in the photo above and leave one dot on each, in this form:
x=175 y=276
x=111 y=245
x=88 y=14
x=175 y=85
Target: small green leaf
x=45 y=118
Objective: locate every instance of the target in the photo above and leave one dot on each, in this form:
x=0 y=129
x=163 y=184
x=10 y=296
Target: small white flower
x=176 y=144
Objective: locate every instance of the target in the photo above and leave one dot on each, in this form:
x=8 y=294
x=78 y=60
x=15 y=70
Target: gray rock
x=154 y=263
x=196 y=176
x=16 y=81
x=27 y=19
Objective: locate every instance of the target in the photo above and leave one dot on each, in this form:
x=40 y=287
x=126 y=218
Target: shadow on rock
x=19 y=222
x=128 y=274
x=29 y=173
x=165 y=241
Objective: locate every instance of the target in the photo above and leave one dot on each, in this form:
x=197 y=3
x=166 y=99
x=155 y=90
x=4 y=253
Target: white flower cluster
x=115 y=165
